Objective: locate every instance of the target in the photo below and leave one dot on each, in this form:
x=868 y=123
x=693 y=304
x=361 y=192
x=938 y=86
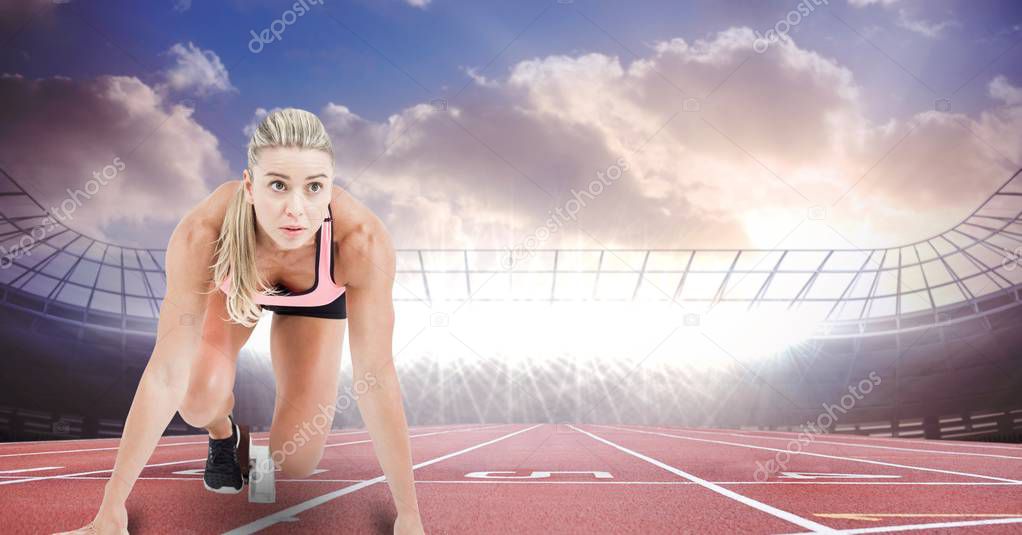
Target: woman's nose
x=295 y=207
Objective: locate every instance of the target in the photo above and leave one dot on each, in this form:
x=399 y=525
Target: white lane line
x=823 y=455
x=369 y=440
x=924 y=483
x=290 y=512
x=87 y=450
x=106 y=471
x=935 y=525
x=854 y=445
x=653 y=483
x=204 y=442
x=768 y=509
x=171 y=463
x=29 y=470
x=848 y=436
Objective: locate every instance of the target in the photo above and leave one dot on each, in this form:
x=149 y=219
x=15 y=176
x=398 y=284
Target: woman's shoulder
x=359 y=236
x=203 y=222
x=197 y=232
x=210 y=212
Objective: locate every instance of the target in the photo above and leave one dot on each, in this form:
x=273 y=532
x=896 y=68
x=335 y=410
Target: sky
x=567 y=124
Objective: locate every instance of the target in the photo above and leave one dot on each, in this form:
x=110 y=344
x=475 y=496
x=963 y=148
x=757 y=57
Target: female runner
x=277 y=224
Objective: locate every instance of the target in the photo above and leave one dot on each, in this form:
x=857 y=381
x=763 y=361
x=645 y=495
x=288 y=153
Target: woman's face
x=291 y=188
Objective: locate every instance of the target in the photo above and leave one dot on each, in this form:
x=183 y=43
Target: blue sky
x=380 y=59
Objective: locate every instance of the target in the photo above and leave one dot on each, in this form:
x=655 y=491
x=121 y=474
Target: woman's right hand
x=108 y=521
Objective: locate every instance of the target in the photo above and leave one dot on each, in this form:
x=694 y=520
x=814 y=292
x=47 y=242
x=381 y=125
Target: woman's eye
x=318 y=187
x=276 y=182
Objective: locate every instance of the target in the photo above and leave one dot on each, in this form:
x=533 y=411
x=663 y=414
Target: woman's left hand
x=408 y=524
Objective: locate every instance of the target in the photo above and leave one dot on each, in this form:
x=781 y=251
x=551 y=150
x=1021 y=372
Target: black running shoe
x=223 y=473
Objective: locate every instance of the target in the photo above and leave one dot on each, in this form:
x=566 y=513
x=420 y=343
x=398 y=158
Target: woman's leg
x=306 y=354
x=210 y=396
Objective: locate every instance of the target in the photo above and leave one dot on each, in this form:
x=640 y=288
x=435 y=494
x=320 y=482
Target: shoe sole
x=223 y=490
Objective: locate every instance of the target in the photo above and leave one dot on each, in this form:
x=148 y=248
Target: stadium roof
x=961 y=272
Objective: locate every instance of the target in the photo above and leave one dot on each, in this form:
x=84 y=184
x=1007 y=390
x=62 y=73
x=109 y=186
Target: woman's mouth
x=292 y=231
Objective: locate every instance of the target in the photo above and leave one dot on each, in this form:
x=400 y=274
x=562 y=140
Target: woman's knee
x=298 y=455
x=208 y=395
x=301 y=464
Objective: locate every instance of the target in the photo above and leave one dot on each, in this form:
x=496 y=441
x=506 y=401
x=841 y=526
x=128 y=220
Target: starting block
x=261 y=486
x=257 y=469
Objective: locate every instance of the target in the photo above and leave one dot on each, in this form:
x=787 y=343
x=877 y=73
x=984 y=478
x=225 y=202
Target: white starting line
x=289 y=513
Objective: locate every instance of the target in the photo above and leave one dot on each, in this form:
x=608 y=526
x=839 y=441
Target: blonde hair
x=235 y=253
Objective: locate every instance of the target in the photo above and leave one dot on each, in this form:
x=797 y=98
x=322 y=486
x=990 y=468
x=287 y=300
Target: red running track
x=550 y=478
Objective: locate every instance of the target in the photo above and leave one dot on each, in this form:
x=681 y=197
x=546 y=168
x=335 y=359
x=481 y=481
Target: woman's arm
x=165 y=379
x=371 y=324
x=157 y=398
x=178 y=341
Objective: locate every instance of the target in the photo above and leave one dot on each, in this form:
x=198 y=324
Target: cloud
x=479 y=79
x=182 y=5
x=1001 y=128
x=196 y=71
x=1001 y=89
x=922 y=27
x=779 y=134
x=257 y=118
x=925 y=28
x=58 y=131
x=418 y=3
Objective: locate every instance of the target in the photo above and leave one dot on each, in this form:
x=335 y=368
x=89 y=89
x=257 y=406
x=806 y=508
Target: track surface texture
x=550 y=478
